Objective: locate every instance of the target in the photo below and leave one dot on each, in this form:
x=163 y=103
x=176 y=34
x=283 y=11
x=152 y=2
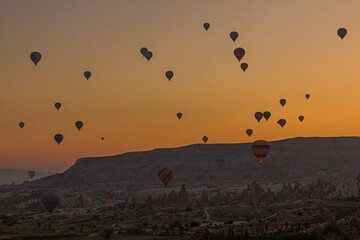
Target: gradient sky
x=291 y=47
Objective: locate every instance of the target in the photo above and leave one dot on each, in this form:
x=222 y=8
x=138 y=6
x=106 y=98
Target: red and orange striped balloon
x=260 y=148
x=109 y=194
x=165 y=175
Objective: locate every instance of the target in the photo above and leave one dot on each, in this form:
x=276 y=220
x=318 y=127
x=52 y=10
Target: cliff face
x=196 y=164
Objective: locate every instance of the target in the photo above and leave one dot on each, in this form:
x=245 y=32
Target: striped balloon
x=165 y=175
x=109 y=194
x=260 y=148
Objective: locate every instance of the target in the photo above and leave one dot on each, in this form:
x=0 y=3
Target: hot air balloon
x=267 y=115
x=301 y=118
x=220 y=162
x=249 y=132
x=21 y=124
x=102 y=139
x=239 y=53
x=79 y=124
x=58 y=138
x=234 y=36
x=35 y=57
x=244 y=66
x=87 y=75
x=342 y=32
x=283 y=102
x=109 y=194
x=260 y=148
x=258 y=116
x=50 y=200
x=206 y=26
x=169 y=75
x=307 y=96
x=31 y=174
x=148 y=55
x=205 y=139
x=57 y=106
x=179 y=115
x=165 y=175
x=282 y=122
x=143 y=51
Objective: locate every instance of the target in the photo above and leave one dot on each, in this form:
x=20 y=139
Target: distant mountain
x=289 y=159
x=8 y=176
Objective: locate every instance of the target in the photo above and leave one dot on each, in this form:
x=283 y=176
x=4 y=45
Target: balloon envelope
x=87 y=75
x=244 y=66
x=21 y=124
x=169 y=75
x=109 y=194
x=307 y=96
x=50 y=200
x=35 y=57
x=165 y=175
x=143 y=51
x=342 y=32
x=267 y=115
x=258 y=116
x=206 y=26
x=148 y=55
x=249 y=132
x=58 y=138
x=179 y=115
x=282 y=122
x=282 y=102
x=260 y=149
x=234 y=36
x=205 y=139
x=239 y=53
x=301 y=118
x=79 y=125
x=57 y=105
x=31 y=174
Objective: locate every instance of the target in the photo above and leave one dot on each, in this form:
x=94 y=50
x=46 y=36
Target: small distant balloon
x=342 y=32
x=307 y=96
x=109 y=194
x=58 y=138
x=260 y=149
x=102 y=139
x=31 y=174
x=87 y=75
x=234 y=36
x=57 y=106
x=239 y=53
x=282 y=122
x=79 y=124
x=179 y=115
x=249 y=132
x=206 y=26
x=165 y=175
x=143 y=51
x=50 y=200
x=169 y=75
x=267 y=115
x=258 y=116
x=35 y=57
x=244 y=66
x=283 y=102
x=148 y=55
x=301 y=118
x=205 y=139
x=21 y=124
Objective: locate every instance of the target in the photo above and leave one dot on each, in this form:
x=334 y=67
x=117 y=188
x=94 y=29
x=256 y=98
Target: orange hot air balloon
x=165 y=175
x=260 y=148
x=109 y=194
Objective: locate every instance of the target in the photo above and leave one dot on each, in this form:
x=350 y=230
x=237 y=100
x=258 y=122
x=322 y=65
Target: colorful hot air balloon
x=79 y=125
x=179 y=115
x=58 y=138
x=206 y=26
x=205 y=139
x=244 y=66
x=109 y=194
x=220 y=162
x=21 y=124
x=267 y=115
x=31 y=174
x=234 y=36
x=282 y=122
x=165 y=175
x=260 y=148
x=87 y=75
x=239 y=53
x=57 y=106
x=282 y=102
x=342 y=32
x=169 y=75
x=258 y=116
x=301 y=118
x=307 y=96
x=249 y=132
x=35 y=57
x=50 y=200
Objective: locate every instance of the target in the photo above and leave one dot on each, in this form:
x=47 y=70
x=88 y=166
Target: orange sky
x=291 y=47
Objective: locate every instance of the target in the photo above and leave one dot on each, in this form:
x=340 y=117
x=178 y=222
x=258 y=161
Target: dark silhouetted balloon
x=143 y=51
x=79 y=124
x=244 y=66
x=50 y=200
x=31 y=174
x=249 y=132
x=301 y=118
x=282 y=122
x=58 y=138
x=205 y=139
x=239 y=53
x=109 y=194
x=260 y=148
x=206 y=26
x=179 y=115
x=87 y=75
x=35 y=57
x=220 y=163
x=282 y=102
x=165 y=175
x=267 y=115
x=57 y=105
x=307 y=96
x=258 y=116
x=21 y=124
x=342 y=32
x=148 y=55
x=234 y=36
x=102 y=139
x=169 y=75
